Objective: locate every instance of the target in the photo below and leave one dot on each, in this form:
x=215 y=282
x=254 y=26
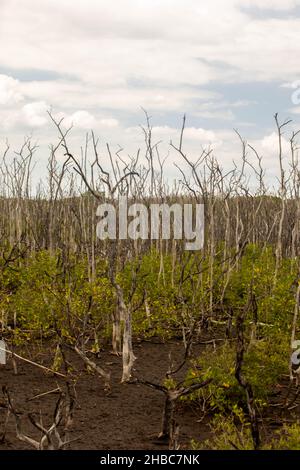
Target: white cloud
x=133 y=53
x=270 y=145
x=161 y=41
x=80 y=119
x=83 y=119
x=34 y=114
x=202 y=135
x=192 y=135
x=109 y=122
x=164 y=55
x=9 y=90
x=295 y=110
x=291 y=85
x=271 y=4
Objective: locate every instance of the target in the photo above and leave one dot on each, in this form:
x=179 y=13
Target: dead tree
x=283 y=194
x=113 y=185
x=244 y=383
x=172 y=393
x=51 y=438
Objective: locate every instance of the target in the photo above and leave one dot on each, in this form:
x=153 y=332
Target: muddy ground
x=129 y=417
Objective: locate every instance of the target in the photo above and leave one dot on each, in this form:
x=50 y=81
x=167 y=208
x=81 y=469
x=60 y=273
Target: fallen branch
x=105 y=375
x=33 y=363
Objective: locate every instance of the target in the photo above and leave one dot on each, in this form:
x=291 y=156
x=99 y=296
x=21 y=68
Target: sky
x=226 y=64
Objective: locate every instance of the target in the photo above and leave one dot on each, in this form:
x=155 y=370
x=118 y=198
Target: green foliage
x=275 y=302
x=229 y=433
x=44 y=297
x=40 y=295
x=234 y=433
x=287 y=438
x=264 y=363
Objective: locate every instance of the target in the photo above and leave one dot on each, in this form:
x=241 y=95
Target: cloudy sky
x=227 y=64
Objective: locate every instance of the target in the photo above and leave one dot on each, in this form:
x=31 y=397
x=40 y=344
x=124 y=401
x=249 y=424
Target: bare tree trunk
x=117 y=331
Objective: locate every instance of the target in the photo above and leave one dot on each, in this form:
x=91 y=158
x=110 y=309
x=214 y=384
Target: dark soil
x=129 y=417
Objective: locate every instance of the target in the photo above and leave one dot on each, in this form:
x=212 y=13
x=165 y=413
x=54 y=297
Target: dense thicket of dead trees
x=60 y=216
x=61 y=213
